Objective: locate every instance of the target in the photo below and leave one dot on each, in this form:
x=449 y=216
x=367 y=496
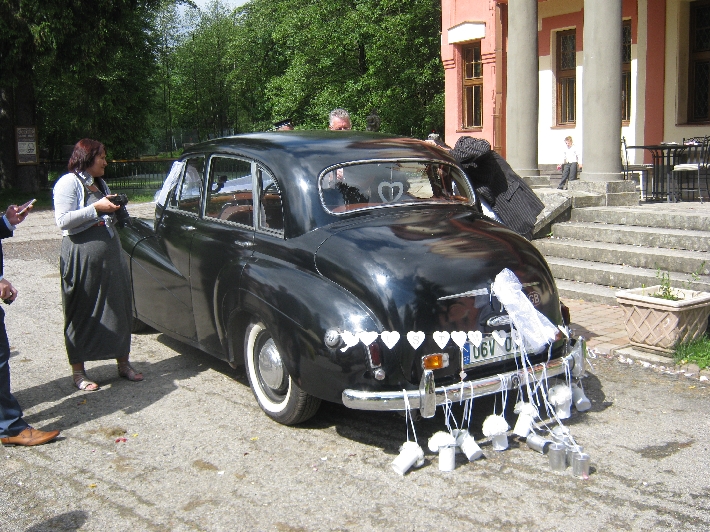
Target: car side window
x=230 y=192
x=189 y=193
x=271 y=212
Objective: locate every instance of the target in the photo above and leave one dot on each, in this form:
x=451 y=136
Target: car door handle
x=244 y=243
x=188 y=228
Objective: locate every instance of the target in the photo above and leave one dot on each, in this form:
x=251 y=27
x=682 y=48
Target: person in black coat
x=13 y=429
x=512 y=200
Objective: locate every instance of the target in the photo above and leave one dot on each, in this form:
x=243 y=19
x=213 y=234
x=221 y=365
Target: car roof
x=296 y=159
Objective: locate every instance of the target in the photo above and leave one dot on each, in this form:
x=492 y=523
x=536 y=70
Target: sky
x=202 y=4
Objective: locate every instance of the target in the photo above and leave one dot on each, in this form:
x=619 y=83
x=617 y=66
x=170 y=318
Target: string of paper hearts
x=416 y=338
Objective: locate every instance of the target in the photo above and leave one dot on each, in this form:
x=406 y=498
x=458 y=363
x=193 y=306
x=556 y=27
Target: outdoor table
x=665 y=156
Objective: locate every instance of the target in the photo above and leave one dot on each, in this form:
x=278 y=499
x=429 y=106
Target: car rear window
x=364 y=185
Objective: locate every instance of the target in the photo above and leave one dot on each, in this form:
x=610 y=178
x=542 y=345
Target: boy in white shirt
x=571 y=163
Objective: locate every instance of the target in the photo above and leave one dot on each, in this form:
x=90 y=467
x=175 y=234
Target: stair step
x=673 y=260
x=618 y=276
x=693 y=216
x=634 y=235
x=603 y=249
x=593 y=293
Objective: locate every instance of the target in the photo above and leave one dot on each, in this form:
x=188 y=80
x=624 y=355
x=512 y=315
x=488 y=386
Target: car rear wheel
x=278 y=396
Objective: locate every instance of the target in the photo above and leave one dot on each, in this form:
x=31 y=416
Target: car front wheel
x=278 y=396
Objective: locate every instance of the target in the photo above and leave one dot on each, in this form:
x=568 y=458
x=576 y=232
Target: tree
x=202 y=97
x=167 y=37
x=310 y=57
x=78 y=68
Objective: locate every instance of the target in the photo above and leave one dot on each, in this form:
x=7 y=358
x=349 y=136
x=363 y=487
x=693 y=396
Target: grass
x=15 y=197
x=45 y=201
x=696 y=352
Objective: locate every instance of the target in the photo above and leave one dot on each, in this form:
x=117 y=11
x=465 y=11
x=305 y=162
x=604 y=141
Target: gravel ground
x=189 y=449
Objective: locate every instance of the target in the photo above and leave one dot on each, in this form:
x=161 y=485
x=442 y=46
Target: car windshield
x=364 y=185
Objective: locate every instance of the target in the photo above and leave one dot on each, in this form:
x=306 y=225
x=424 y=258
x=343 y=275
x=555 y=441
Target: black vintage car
x=339 y=266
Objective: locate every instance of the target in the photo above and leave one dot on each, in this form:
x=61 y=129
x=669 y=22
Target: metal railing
x=129 y=175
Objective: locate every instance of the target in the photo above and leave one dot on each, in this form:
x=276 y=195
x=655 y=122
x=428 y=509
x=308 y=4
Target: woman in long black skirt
x=96 y=293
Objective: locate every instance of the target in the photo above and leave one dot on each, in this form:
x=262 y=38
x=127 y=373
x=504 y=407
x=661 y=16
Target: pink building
x=515 y=75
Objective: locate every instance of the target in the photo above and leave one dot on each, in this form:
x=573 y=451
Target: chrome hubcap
x=271 y=366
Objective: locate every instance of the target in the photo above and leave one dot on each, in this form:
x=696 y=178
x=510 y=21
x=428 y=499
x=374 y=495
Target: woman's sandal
x=84 y=384
x=127 y=372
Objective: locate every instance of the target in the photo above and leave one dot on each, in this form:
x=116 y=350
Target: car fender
x=298 y=319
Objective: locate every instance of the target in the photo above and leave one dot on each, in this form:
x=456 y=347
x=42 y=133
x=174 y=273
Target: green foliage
x=310 y=57
x=143 y=76
x=665 y=290
x=11 y=196
x=90 y=63
x=697 y=352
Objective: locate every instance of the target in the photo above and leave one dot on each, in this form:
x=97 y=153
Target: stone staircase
x=602 y=249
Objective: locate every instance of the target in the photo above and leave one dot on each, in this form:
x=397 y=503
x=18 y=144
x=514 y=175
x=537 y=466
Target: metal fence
x=135 y=176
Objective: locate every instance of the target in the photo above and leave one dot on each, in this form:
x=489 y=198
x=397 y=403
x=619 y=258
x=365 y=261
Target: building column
x=601 y=91
x=522 y=97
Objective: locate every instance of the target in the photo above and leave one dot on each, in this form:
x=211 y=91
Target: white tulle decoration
x=495 y=427
x=536 y=329
x=494 y=424
x=440 y=439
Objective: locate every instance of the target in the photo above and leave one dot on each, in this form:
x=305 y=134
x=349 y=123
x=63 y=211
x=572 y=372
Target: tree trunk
x=7 y=139
x=17 y=109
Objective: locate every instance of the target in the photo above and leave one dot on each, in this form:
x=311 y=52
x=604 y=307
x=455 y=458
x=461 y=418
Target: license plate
x=488 y=351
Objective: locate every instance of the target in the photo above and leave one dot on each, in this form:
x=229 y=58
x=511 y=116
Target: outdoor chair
x=630 y=169
x=695 y=166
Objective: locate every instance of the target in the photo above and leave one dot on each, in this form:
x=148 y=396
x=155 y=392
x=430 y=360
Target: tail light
x=435 y=361
x=375 y=360
x=564 y=310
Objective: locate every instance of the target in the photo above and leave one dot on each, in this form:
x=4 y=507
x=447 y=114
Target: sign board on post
x=26 y=145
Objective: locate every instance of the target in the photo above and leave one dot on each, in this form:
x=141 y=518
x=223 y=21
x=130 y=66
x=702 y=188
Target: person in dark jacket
x=511 y=199
x=13 y=429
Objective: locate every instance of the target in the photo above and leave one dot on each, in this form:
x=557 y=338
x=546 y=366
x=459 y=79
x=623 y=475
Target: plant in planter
x=661 y=317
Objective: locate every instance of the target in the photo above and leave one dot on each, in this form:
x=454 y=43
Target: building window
x=472 y=86
x=566 y=77
x=699 y=86
x=626 y=72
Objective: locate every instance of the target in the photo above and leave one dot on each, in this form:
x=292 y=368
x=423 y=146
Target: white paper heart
x=515 y=335
x=475 y=337
x=415 y=338
x=387 y=193
x=441 y=338
x=350 y=340
x=390 y=338
x=499 y=337
x=459 y=338
x=367 y=337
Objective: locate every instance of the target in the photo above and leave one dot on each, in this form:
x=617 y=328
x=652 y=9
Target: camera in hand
x=122 y=217
x=119 y=199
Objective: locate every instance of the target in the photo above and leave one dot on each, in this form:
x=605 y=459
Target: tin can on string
x=447 y=457
x=538 y=443
x=557 y=456
x=580 y=465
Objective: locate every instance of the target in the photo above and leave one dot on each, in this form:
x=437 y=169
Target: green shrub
x=697 y=352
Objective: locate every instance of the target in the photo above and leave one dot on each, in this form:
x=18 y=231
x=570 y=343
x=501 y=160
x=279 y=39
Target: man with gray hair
x=339 y=120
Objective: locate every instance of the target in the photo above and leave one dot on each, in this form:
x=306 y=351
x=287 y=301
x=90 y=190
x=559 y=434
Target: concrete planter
x=658 y=324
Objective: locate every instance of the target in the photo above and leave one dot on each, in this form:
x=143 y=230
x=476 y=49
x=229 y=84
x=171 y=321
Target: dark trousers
x=11 y=422
x=569 y=173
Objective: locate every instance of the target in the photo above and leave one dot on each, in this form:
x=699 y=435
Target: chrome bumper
x=428 y=396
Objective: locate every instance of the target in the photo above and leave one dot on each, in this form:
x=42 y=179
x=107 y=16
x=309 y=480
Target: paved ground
x=601 y=325
x=189 y=449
